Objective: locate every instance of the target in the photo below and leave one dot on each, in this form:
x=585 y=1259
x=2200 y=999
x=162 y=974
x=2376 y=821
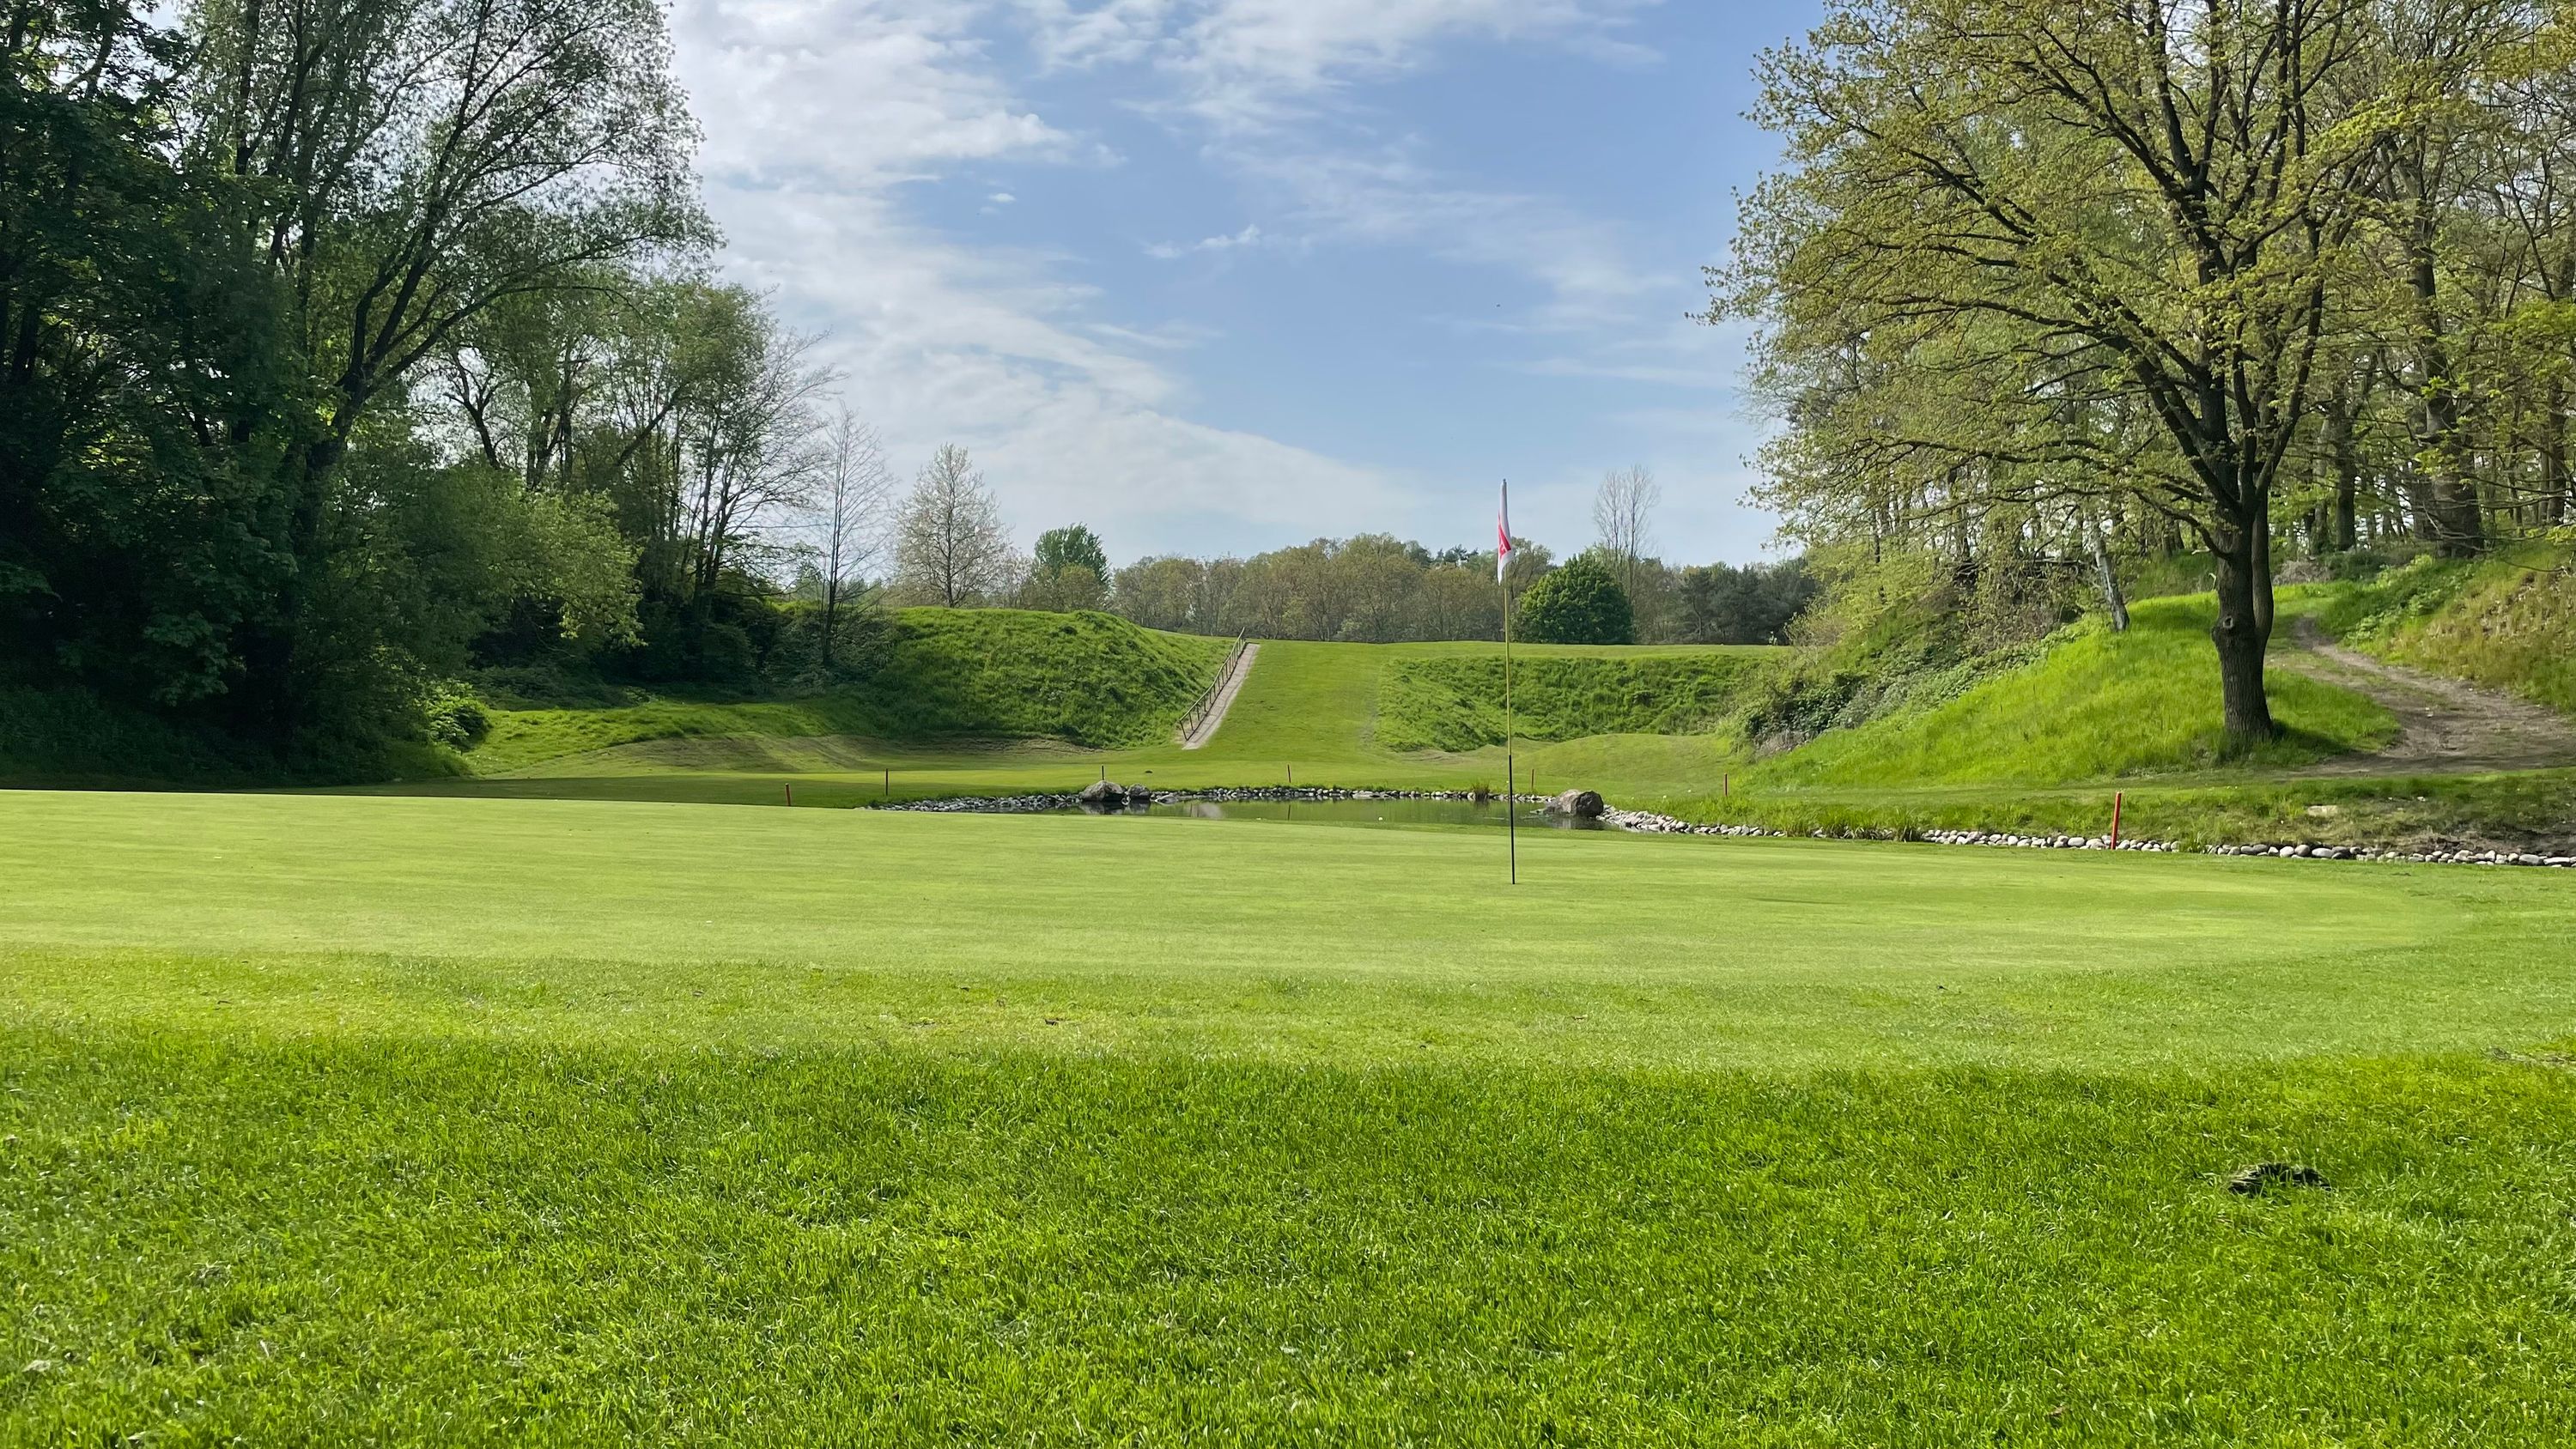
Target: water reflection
x=1357 y=812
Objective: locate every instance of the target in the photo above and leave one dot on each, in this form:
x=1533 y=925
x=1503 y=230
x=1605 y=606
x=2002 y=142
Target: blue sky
x=1223 y=275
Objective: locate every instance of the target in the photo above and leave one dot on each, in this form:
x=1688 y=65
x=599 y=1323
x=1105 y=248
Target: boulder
x=1103 y=792
x=1140 y=796
x=1581 y=804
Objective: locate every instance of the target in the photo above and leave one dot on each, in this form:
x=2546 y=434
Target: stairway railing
x=1207 y=702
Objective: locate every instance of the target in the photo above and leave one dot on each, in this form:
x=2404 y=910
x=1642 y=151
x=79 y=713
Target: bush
x=453 y=717
x=1578 y=604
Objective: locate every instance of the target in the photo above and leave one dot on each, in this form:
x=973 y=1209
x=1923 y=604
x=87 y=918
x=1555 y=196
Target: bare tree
x=949 y=544
x=849 y=514
x=1623 y=509
x=754 y=442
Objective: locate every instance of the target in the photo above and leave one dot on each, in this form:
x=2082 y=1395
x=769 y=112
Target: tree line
x=1378 y=589
x=349 y=347
x=349 y=344
x=2052 y=282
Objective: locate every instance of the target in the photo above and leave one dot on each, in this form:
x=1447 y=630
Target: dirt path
x=1225 y=693
x=2445 y=725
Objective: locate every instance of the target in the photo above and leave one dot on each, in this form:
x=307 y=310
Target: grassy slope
x=434 y=1121
x=1089 y=679
x=1455 y=702
x=2508 y=623
x=1310 y=712
x=2097 y=706
x=2041 y=747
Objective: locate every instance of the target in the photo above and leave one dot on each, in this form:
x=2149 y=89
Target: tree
x=1580 y=603
x=751 y=428
x=2027 y=250
x=147 y=380
x=1069 y=571
x=1623 y=513
x=1746 y=604
x=418 y=163
x=949 y=545
x=849 y=517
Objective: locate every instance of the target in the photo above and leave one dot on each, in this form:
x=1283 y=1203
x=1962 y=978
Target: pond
x=1356 y=812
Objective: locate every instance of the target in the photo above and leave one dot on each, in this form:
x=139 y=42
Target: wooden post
x=2118 y=798
x=790 y=789
x=887 y=788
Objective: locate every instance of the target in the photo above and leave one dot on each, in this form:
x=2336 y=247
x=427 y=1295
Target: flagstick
x=1511 y=816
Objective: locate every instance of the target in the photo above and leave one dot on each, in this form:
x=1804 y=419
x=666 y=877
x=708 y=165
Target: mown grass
x=2507 y=622
x=400 y=1121
x=1456 y=702
x=2096 y=706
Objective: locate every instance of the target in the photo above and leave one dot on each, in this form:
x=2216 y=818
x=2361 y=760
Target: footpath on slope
x=2446 y=726
x=1226 y=690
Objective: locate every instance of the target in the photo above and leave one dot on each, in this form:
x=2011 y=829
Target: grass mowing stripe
x=661 y=923
x=432 y=1242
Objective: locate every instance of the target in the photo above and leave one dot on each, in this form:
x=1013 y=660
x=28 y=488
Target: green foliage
x=149 y=395
x=2095 y=705
x=453 y=717
x=1456 y=702
x=2508 y=623
x=1580 y=603
x=1074 y=547
x=530 y=1069
x=1743 y=604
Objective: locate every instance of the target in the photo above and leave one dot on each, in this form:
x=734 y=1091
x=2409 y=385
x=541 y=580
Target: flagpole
x=1511 y=815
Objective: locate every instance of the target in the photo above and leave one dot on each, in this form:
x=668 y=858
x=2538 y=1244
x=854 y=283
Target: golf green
x=399 y=1120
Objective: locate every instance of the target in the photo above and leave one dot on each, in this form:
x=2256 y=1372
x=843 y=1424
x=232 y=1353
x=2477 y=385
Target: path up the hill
x=1226 y=690
x=2446 y=726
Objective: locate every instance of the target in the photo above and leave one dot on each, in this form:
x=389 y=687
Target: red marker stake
x=2117 y=797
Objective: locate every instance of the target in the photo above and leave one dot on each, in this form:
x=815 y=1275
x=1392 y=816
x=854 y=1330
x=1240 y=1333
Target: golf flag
x=1503 y=533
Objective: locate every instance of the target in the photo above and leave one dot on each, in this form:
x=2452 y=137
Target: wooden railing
x=1207 y=702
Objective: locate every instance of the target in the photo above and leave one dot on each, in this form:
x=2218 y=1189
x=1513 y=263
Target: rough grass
x=425 y=1122
x=1088 y=679
x=2096 y=706
x=1456 y=702
x=2508 y=623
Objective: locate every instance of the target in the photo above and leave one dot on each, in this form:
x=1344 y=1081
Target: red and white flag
x=1503 y=534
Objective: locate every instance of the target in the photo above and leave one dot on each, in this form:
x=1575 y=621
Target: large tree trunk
x=2243 y=632
x=2344 y=452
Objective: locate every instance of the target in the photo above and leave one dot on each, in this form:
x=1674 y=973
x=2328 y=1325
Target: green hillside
x=2095 y=706
x=2508 y=623
x=1455 y=702
x=1088 y=679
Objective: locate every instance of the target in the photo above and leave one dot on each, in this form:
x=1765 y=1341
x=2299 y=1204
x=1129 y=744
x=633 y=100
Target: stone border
x=1643 y=822
x=1646 y=823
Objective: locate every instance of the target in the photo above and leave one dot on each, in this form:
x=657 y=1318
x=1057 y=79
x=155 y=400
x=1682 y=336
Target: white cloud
x=1256 y=63
x=820 y=114
x=816 y=115
x=1250 y=236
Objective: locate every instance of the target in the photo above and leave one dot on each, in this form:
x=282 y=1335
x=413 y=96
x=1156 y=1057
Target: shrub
x=1578 y=604
x=453 y=717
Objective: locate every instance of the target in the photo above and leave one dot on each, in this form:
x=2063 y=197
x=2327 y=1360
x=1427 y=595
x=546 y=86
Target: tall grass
x=2508 y=622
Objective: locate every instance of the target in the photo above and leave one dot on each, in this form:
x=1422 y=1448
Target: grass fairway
x=438 y=1121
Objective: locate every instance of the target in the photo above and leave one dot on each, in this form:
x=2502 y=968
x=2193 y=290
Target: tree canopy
x=1580 y=603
